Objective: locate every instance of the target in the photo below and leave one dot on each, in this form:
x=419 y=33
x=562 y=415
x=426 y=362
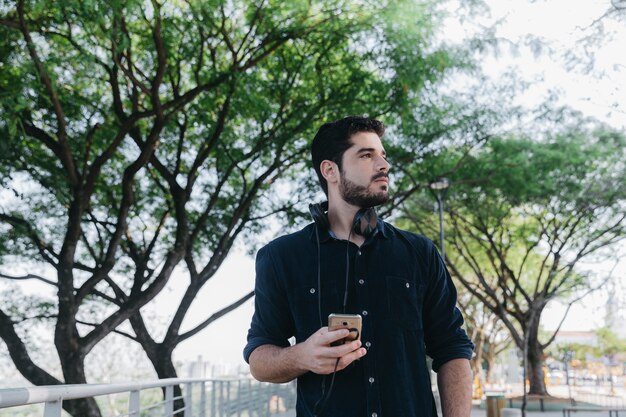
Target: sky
x=559 y=23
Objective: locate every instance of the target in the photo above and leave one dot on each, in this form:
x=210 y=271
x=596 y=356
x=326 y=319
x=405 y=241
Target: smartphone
x=351 y=322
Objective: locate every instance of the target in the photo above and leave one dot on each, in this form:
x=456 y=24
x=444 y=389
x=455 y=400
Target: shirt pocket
x=404 y=303
x=305 y=306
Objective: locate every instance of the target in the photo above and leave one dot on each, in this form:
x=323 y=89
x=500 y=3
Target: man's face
x=364 y=178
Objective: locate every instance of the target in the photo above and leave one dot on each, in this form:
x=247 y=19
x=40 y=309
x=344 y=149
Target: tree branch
x=44 y=249
x=29 y=276
x=214 y=317
x=19 y=354
x=120 y=332
x=64 y=150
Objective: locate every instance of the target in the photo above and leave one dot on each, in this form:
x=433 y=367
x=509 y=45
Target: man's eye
x=366 y=155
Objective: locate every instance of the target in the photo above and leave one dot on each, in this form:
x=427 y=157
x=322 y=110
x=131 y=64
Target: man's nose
x=382 y=164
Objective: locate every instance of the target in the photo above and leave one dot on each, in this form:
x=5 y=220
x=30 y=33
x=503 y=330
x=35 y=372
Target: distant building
x=216 y=369
x=581 y=337
x=615 y=306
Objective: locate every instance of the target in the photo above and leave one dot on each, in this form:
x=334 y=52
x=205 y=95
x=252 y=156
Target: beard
x=360 y=196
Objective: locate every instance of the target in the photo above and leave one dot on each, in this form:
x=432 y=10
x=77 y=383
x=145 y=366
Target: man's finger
x=342 y=350
x=334 y=335
x=351 y=357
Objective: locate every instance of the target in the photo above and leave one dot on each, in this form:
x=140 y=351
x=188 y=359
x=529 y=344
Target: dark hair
x=333 y=139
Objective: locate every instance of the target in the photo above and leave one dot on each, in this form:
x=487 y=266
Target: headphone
x=364 y=223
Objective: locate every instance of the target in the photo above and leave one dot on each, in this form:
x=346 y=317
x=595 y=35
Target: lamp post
x=439 y=188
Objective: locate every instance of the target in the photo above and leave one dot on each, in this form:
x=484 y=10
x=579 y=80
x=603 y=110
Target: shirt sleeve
x=271 y=322
x=445 y=339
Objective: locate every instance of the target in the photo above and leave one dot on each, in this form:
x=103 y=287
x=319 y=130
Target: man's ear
x=329 y=171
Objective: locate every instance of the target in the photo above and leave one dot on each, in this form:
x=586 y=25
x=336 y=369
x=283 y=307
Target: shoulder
x=292 y=241
x=420 y=243
x=422 y=248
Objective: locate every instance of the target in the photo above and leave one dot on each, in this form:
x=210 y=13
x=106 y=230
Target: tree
x=142 y=137
x=609 y=345
x=521 y=216
x=488 y=333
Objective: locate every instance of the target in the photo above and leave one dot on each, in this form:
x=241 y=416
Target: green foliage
x=609 y=343
x=529 y=200
x=567 y=352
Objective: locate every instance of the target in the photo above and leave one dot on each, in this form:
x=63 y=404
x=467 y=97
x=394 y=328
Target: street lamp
x=439 y=188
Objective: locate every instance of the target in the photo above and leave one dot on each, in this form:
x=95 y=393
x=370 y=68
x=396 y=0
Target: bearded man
x=350 y=262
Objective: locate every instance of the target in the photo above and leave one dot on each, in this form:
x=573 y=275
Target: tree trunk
x=477 y=360
x=73 y=366
x=160 y=355
x=535 y=359
x=490 y=358
x=84 y=407
x=164 y=367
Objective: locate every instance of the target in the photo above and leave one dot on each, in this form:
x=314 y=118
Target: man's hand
x=282 y=364
x=320 y=357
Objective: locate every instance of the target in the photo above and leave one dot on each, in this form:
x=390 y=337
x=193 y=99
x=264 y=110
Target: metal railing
x=202 y=397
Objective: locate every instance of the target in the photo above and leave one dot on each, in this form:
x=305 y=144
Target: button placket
x=363 y=284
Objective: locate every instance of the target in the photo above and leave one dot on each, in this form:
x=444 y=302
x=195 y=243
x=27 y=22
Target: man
x=394 y=279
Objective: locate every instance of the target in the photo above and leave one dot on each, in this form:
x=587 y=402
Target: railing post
x=133 y=404
x=269 y=400
x=169 y=401
x=202 y=399
x=213 y=400
x=250 y=393
x=221 y=408
x=227 y=392
x=188 y=405
x=239 y=398
x=53 y=409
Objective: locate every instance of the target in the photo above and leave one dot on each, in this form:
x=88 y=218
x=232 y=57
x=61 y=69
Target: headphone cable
x=324 y=398
x=326 y=395
x=319 y=273
x=345 y=291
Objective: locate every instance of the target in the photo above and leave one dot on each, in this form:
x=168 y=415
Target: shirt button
x=364 y=312
x=374 y=414
x=312 y=290
x=408 y=285
x=371 y=379
x=358 y=253
x=368 y=344
x=361 y=281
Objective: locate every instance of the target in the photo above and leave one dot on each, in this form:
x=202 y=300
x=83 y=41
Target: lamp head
x=439 y=184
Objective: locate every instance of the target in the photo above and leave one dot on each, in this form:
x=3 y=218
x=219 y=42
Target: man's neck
x=341 y=217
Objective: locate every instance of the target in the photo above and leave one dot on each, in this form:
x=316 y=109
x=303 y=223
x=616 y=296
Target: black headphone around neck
x=364 y=223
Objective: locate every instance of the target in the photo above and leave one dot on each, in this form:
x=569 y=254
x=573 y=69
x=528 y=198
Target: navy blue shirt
x=397 y=282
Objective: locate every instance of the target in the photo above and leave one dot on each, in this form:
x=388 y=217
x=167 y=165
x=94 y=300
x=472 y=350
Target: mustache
x=380 y=175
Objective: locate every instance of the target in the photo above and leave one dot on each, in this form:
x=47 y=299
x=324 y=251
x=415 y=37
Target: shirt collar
x=326 y=234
